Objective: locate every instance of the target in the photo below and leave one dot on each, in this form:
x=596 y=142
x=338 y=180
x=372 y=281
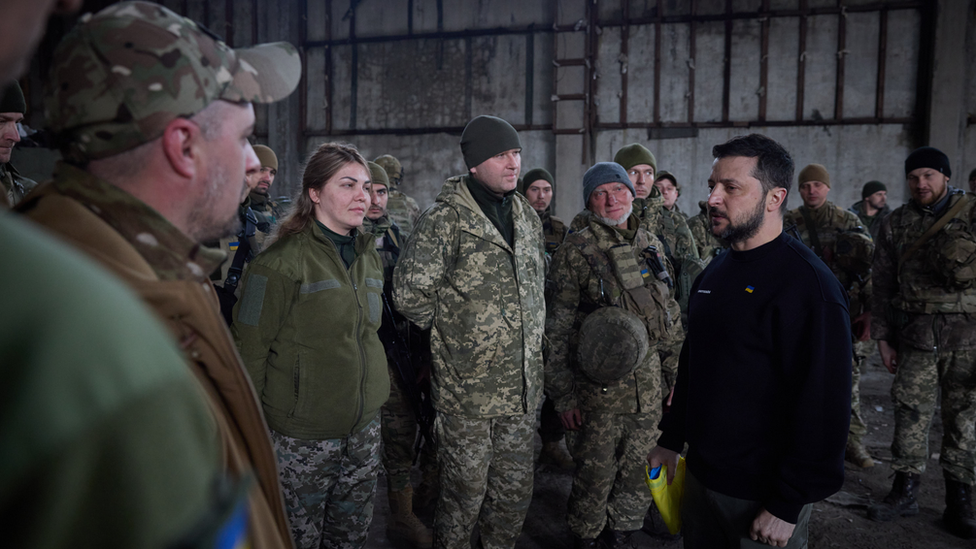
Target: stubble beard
x=207 y=225
x=744 y=231
x=615 y=222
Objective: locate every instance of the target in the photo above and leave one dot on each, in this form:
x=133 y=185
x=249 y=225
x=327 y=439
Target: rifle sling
x=812 y=229
x=936 y=227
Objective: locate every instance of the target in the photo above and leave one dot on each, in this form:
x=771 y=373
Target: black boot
x=900 y=502
x=958 y=516
x=616 y=539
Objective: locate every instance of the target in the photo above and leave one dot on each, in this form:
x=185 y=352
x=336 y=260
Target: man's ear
x=179 y=140
x=775 y=198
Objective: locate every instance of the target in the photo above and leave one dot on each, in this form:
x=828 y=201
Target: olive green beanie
x=267 y=157
x=634 y=155
x=13 y=99
x=484 y=137
x=813 y=172
x=534 y=175
x=377 y=174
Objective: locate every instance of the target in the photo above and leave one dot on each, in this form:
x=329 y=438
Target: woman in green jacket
x=306 y=325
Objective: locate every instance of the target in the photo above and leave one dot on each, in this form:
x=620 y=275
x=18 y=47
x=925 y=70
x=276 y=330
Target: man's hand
x=888 y=355
x=770 y=530
x=663 y=456
x=572 y=419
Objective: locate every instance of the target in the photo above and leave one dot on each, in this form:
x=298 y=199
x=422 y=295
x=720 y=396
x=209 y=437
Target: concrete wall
x=402 y=77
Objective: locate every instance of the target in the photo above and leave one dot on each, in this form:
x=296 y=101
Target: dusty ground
x=840 y=522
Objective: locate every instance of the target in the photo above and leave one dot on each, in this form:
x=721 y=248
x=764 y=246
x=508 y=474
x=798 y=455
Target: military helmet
x=394 y=170
x=612 y=342
x=853 y=252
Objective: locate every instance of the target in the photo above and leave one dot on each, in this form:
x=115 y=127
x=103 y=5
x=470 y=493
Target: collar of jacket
x=170 y=253
x=455 y=193
x=603 y=231
x=939 y=207
x=364 y=240
x=822 y=213
x=377 y=227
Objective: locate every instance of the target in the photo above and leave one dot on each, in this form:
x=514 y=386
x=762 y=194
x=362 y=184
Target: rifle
x=398 y=353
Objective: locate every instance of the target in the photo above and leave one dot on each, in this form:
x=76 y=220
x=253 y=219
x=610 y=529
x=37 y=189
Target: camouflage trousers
x=918 y=379
x=858 y=426
x=399 y=431
x=610 y=451
x=328 y=487
x=486 y=470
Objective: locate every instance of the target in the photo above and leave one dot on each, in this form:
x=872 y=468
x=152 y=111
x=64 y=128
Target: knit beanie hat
x=13 y=99
x=928 y=157
x=602 y=173
x=534 y=175
x=267 y=157
x=377 y=174
x=484 y=137
x=813 y=172
x=872 y=187
x=633 y=155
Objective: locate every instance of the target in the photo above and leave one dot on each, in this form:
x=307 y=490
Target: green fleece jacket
x=306 y=328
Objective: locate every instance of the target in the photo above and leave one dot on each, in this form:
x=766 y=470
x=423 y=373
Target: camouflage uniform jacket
x=700 y=226
x=672 y=229
x=916 y=306
x=169 y=272
x=583 y=279
x=389 y=242
x=403 y=210
x=484 y=301
x=554 y=231
x=830 y=222
x=872 y=222
x=15 y=186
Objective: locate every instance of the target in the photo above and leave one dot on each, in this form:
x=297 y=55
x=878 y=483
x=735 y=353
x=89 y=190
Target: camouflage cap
x=392 y=166
x=120 y=76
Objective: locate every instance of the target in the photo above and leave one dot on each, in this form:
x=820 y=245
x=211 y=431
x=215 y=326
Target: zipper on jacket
x=358 y=332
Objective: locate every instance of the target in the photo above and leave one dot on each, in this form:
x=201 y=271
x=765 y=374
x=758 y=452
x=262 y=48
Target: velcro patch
x=252 y=301
x=313 y=287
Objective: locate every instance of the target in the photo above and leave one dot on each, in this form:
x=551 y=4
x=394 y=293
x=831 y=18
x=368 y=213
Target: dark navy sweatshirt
x=763 y=394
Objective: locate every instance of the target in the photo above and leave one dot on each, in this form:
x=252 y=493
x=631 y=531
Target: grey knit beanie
x=602 y=173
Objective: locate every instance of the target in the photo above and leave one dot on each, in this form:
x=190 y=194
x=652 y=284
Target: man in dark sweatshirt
x=762 y=396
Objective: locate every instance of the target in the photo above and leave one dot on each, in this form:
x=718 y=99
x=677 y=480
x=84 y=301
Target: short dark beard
x=739 y=233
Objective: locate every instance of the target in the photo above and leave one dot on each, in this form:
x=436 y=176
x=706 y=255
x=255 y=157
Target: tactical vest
x=922 y=289
x=626 y=280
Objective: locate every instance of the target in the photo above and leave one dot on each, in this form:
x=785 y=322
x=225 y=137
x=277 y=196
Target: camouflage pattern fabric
x=403 y=210
x=486 y=478
x=914 y=306
x=583 y=278
x=608 y=487
x=170 y=253
x=918 y=380
x=859 y=427
x=708 y=244
x=398 y=429
x=830 y=221
x=484 y=301
x=105 y=96
x=329 y=486
x=932 y=327
x=872 y=222
x=15 y=186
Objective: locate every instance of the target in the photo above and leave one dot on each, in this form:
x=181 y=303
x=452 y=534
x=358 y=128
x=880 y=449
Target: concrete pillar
x=950 y=75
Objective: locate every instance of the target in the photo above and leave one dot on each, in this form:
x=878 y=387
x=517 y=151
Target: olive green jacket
x=484 y=301
x=306 y=328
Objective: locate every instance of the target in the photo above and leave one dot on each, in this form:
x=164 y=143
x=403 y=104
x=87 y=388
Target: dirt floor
x=838 y=522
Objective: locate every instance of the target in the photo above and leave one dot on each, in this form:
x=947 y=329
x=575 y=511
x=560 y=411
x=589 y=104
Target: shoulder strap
x=812 y=229
x=963 y=202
